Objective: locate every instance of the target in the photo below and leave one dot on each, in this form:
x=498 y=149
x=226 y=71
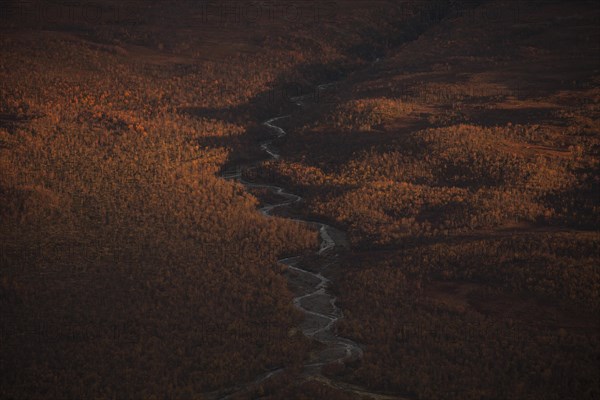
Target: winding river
x=312 y=295
x=314 y=299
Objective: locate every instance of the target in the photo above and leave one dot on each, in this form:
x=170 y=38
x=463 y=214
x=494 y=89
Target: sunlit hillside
x=433 y=233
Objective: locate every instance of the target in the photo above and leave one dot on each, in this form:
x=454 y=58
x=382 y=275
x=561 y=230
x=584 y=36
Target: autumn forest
x=300 y=200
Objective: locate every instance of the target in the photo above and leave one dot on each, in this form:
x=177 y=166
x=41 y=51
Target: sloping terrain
x=130 y=269
x=464 y=168
x=458 y=149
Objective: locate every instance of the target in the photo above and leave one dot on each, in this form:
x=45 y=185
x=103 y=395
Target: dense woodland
x=502 y=318
x=130 y=268
x=466 y=177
